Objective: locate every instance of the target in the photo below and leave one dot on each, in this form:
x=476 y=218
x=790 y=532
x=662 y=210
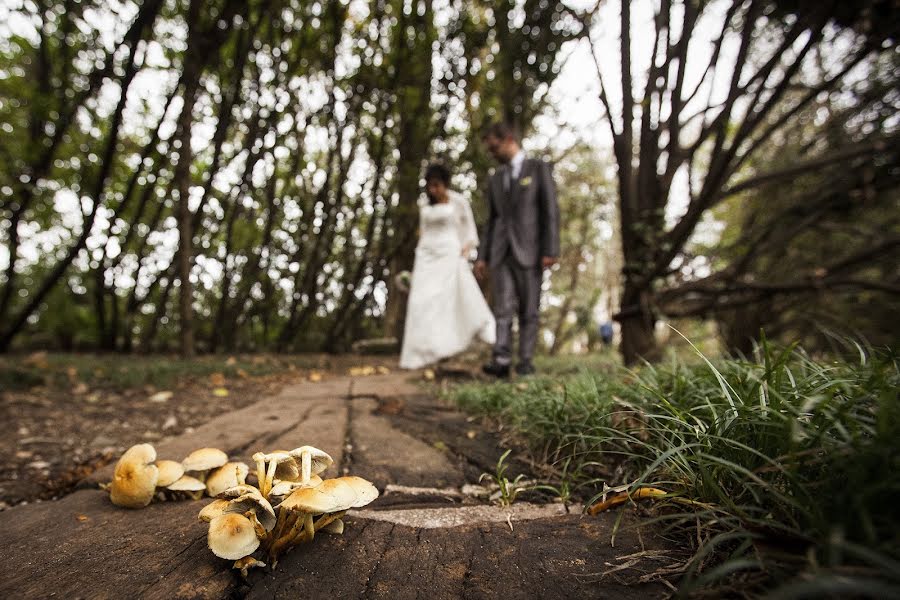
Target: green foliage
x=508 y=490
x=793 y=461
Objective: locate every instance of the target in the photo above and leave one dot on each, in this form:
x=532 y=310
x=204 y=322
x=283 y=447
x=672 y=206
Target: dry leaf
x=83 y=518
x=622 y=498
x=315 y=377
x=80 y=389
x=160 y=397
x=471 y=434
x=429 y=375
x=217 y=379
x=242 y=374
x=220 y=392
x=231 y=361
x=383 y=371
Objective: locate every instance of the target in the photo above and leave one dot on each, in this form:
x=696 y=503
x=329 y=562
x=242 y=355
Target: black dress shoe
x=525 y=368
x=496 y=369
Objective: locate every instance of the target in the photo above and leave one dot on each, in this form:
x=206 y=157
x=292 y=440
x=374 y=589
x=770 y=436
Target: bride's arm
x=468 y=232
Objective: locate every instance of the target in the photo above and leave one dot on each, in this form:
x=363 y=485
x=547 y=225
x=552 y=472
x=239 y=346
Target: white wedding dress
x=446 y=310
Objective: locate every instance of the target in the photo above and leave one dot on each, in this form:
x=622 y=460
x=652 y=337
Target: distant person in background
x=606 y=333
x=446 y=310
x=521 y=239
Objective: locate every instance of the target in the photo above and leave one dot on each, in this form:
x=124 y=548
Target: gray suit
x=522 y=227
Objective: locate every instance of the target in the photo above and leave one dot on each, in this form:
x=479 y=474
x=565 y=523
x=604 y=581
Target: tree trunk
x=182 y=182
x=637 y=322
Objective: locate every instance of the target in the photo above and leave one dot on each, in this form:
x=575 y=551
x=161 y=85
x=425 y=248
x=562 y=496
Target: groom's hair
x=501 y=130
x=439 y=172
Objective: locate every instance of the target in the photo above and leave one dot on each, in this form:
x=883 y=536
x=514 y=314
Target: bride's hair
x=439 y=172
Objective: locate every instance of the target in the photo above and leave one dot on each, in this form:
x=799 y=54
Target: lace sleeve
x=468 y=233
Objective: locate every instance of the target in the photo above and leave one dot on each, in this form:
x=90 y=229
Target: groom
x=521 y=239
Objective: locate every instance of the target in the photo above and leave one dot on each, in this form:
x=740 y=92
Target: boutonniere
x=525 y=181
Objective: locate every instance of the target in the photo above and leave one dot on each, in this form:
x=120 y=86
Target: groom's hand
x=548 y=261
x=480 y=270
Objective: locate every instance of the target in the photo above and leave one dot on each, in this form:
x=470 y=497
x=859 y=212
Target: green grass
x=796 y=461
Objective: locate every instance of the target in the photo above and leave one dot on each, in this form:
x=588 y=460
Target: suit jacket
x=523 y=222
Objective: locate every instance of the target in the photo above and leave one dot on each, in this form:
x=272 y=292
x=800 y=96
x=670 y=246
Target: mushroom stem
x=260 y=473
x=305 y=467
x=284 y=541
x=283 y=517
x=309 y=530
x=325 y=520
x=257 y=526
x=270 y=476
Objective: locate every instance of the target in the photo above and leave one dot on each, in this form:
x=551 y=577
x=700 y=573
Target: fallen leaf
x=83 y=518
x=315 y=377
x=231 y=361
x=440 y=446
x=522 y=387
x=217 y=379
x=383 y=370
x=72 y=374
x=37 y=359
x=80 y=389
x=242 y=374
x=623 y=497
x=160 y=397
x=170 y=422
x=220 y=392
x=471 y=434
x=92 y=398
x=429 y=375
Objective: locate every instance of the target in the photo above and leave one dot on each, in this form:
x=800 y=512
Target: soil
x=60 y=430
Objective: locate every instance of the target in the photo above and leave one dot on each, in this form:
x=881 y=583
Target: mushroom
x=256 y=504
x=227 y=476
x=336 y=527
x=245 y=564
x=332 y=496
x=232 y=536
x=191 y=485
x=170 y=471
x=284 y=488
x=238 y=490
x=267 y=475
x=213 y=510
x=312 y=461
x=134 y=479
x=203 y=460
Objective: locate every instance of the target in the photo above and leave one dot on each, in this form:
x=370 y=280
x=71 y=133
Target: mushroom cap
x=283 y=488
x=232 y=536
x=170 y=471
x=321 y=460
x=288 y=470
x=227 y=476
x=332 y=495
x=213 y=510
x=257 y=504
x=134 y=479
x=204 y=459
x=238 y=491
x=187 y=484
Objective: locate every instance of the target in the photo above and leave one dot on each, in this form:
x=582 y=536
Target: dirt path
x=423 y=537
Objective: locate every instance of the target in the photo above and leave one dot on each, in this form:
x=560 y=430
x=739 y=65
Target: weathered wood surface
x=382 y=428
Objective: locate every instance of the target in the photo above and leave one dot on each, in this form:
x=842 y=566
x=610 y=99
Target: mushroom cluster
x=139 y=477
x=287 y=507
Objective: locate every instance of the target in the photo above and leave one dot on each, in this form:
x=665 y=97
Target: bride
x=446 y=310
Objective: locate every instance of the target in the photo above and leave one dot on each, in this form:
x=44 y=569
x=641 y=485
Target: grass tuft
x=790 y=465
